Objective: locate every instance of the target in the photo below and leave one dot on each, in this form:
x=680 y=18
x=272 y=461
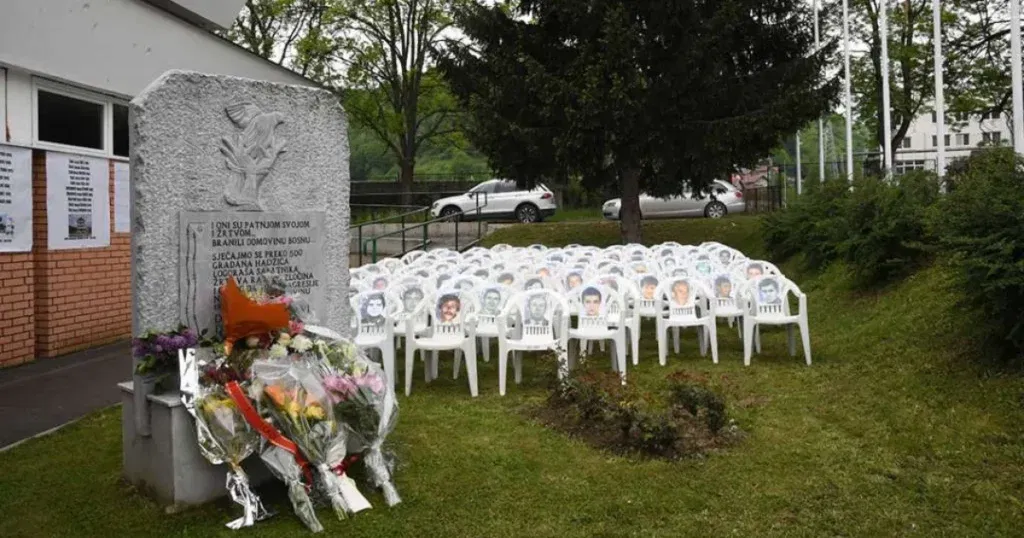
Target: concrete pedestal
x=167 y=464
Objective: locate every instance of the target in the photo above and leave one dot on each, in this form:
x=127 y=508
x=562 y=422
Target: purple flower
x=163 y=341
x=158 y=349
x=179 y=342
x=341 y=388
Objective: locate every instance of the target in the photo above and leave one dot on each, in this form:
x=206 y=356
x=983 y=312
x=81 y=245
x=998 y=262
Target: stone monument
x=229 y=177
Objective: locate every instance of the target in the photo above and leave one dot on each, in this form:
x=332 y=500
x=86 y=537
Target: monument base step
x=166 y=464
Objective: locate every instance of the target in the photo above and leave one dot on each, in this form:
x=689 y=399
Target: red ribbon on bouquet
x=342 y=467
x=269 y=432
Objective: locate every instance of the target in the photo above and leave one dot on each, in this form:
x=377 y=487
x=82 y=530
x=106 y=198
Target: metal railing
x=409 y=227
x=763 y=199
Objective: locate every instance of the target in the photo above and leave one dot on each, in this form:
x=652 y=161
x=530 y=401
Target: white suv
x=498 y=199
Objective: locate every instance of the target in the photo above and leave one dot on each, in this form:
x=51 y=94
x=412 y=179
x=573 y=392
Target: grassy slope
x=889 y=433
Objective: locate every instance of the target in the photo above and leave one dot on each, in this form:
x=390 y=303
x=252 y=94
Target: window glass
x=507 y=186
x=487 y=187
x=66 y=120
x=120 y=130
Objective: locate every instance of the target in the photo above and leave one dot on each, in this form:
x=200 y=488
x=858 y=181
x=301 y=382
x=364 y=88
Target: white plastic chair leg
x=502 y=370
x=792 y=340
x=748 y=341
x=634 y=341
x=620 y=355
x=410 y=358
x=590 y=346
x=470 y=354
x=601 y=346
x=458 y=364
x=702 y=338
x=517 y=363
x=713 y=338
x=805 y=335
x=662 y=343
x=485 y=344
x=757 y=339
x=675 y=339
x=388 y=356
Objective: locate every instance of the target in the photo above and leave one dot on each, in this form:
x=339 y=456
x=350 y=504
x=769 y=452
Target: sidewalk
x=49 y=393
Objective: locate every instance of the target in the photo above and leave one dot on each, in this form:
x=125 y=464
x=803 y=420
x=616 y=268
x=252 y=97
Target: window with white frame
x=902 y=167
x=935 y=141
x=963 y=139
x=70 y=119
x=905 y=144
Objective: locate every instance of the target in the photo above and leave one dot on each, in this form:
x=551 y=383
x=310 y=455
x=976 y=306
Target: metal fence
x=763 y=199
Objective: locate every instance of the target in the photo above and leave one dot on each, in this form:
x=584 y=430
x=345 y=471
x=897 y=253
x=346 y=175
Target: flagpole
x=940 y=105
x=849 y=93
x=883 y=25
x=1015 y=71
x=821 y=124
x=799 y=173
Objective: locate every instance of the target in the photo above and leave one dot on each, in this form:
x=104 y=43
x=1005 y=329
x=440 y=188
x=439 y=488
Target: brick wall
x=56 y=302
x=17 y=306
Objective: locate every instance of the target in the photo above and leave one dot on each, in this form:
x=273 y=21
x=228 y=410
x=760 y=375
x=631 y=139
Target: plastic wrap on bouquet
x=300 y=406
x=364 y=400
x=283 y=465
x=223 y=434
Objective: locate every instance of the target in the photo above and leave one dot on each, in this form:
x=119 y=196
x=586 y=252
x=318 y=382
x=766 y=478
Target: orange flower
x=244 y=317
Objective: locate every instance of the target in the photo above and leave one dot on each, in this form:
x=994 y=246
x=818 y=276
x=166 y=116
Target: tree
x=976 y=68
x=643 y=94
x=298 y=34
x=389 y=50
x=377 y=55
x=911 y=76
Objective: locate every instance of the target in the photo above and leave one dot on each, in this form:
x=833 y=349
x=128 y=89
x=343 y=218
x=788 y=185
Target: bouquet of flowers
x=224 y=435
x=156 y=353
x=364 y=400
x=292 y=395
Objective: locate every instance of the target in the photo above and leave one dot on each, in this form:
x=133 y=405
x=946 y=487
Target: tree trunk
x=405 y=181
x=629 y=210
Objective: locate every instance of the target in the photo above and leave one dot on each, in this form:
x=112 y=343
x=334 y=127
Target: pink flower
x=372 y=382
x=295 y=327
x=341 y=388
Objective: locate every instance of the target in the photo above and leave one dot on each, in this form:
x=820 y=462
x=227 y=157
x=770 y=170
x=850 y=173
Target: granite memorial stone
x=229 y=177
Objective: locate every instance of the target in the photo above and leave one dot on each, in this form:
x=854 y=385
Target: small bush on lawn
x=810 y=225
x=688 y=418
x=980 y=224
x=884 y=231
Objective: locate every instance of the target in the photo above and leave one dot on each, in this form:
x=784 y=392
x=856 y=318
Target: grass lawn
x=892 y=432
x=579 y=214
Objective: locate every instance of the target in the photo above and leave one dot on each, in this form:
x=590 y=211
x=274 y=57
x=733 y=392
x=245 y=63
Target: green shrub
x=884 y=226
x=811 y=225
x=980 y=225
x=687 y=419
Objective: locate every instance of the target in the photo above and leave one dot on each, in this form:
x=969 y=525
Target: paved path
x=48 y=393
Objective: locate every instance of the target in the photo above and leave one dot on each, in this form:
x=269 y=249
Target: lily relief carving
x=251 y=153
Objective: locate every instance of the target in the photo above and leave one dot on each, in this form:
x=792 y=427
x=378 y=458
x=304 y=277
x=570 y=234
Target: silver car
x=728 y=199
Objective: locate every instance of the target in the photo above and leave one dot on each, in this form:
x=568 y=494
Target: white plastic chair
x=452 y=327
x=678 y=300
x=595 y=322
x=532 y=321
x=374 y=327
x=768 y=300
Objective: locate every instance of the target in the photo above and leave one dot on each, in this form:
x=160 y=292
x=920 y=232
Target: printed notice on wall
x=15 y=199
x=122 y=199
x=77 y=201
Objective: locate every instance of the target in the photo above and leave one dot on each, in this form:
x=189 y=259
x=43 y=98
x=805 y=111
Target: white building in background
x=69 y=67
x=964 y=133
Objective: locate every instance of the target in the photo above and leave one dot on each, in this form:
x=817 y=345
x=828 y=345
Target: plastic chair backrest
x=374 y=313
x=451 y=313
x=769 y=295
x=678 y=295
x=539 y=313
x=598 y=303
